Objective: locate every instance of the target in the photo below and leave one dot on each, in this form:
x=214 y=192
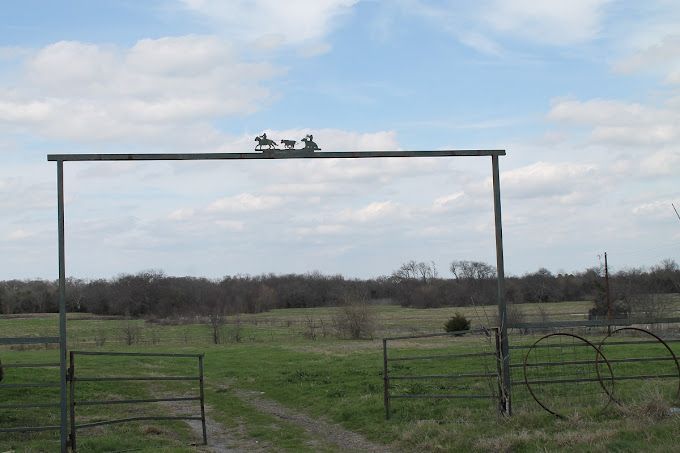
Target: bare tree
x=472 y=270
x=131 y=333
x=217 y=319
x=354 y=319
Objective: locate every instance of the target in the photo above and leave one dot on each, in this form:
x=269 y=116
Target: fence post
x=499 y=370
x=500 y=269
x=62 y=308
x=386 y=382
x=200 y=370
x=72 y=399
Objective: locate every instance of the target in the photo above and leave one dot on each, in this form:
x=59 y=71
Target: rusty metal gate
x=74 y=379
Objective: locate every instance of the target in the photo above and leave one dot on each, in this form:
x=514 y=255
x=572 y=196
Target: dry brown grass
x=651 y=405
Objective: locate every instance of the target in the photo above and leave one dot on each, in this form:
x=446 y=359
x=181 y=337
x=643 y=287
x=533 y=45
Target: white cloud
x=274 y=22
x=449 y=202
x=481 y=43
x=163 y=90
x=231 y=225
x=373 y=212
x=182 y=214
x=662 y=55
x=548 y=22
x=329 y=229
x=620 y=123
x=662 y=163
x=245 y=202
x=657 y=209
x=18 y=235
x=484 y=24
x=22 y=193
x=565 y=182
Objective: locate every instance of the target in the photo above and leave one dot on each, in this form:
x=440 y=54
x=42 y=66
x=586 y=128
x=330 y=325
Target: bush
x=355 y=320
x=456 y=323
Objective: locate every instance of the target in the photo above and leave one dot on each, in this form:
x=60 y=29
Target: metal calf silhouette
x=288 y=144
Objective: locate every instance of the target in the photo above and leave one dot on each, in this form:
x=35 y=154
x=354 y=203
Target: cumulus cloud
x=270 y=23
x=163 y=90
x=565 y=182
x=620 y=123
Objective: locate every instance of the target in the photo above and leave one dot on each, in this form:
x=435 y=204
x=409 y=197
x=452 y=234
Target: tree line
x=414 y=284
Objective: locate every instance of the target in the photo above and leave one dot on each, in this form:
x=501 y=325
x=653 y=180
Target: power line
x=676 y=211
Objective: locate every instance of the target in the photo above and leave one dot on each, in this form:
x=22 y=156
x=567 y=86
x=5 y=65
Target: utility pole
x=606 y=291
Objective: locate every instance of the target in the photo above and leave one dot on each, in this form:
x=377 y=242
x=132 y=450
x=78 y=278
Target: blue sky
x=584 y=96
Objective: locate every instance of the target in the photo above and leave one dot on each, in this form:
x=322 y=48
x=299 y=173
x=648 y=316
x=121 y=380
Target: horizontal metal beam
x=607 y=344
x=30 y=365
x=445 y=396
x=28 y=340
x=446 y=376
x=280 y=154
x=28 y=405
x=27 y=386
x=134 y=378
x=592 y=361
x=640 y=377
x=137 y=354
x=442 y=356
x=152 y=400
x=22 y=429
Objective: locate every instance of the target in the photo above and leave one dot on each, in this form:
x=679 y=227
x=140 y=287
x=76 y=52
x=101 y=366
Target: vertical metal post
x=502 y=308
x=606 y=291
x=72 y=399
x=386 y=382
x=499 y=370
x=62 y=308
x=202 y=390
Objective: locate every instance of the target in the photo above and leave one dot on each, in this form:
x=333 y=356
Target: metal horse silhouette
x=262 y=141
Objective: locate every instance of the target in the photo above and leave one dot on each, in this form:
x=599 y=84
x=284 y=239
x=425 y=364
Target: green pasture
x=276 y=356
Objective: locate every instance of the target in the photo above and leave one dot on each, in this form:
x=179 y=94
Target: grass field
x=289 y=383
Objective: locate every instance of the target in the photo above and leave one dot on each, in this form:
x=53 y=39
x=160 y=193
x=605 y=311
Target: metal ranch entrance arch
x=275 y=154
